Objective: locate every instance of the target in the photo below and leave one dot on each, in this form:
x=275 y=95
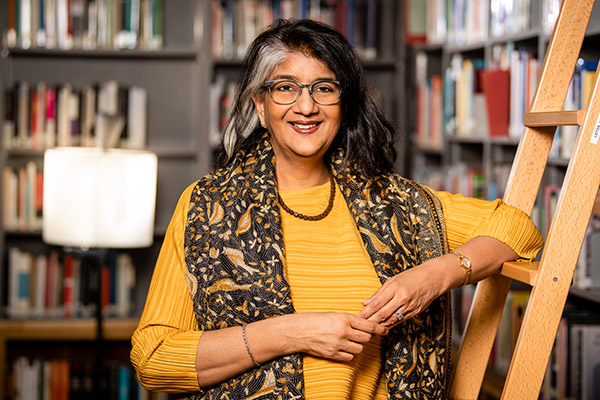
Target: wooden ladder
x=551 y=277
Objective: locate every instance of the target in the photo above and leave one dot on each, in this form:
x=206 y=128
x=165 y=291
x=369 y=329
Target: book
x=496 y=88
x=415 y=21
x=551 y=193
x=587 y=271
x=10 y=187
x=137 y=118
x=585 y=356
x=436 y=21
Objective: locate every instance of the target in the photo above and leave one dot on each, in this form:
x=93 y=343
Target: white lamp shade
x=99 y=198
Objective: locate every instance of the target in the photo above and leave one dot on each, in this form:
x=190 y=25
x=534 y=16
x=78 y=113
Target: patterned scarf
x=235 y=263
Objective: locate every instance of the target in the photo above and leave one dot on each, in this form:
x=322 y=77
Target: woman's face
x=303 y=129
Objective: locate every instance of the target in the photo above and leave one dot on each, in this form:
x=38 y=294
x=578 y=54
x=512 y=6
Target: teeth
x=301 y=126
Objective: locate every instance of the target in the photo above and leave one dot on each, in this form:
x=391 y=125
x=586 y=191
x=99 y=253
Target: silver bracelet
x=248 y=347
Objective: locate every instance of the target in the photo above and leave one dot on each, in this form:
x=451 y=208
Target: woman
x=304 y=267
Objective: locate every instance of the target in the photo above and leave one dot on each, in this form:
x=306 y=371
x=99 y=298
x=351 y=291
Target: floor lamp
x=97 y=199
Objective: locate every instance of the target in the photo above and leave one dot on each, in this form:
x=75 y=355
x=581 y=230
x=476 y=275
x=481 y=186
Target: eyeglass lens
x=287 y=92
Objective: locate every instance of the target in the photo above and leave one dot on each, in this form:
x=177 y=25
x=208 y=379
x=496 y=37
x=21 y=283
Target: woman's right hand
x=222 y=354
x=334 y=335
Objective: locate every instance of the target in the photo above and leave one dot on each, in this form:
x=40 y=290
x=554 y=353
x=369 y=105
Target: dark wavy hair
x=366 y=134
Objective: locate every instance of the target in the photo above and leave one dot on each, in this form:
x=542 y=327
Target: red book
x=105 y=288
x=496 y=88
x=39 y=194
x=68 y=285
x=64 y=384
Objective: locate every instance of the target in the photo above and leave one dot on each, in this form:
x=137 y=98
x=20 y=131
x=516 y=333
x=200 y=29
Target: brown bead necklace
x=311 y=217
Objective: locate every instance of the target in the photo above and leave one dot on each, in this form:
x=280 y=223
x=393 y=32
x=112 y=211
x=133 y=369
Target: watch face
x=466 y=262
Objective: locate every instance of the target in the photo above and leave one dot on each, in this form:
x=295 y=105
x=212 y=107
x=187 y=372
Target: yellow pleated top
x=328 y=269
x=165 y=342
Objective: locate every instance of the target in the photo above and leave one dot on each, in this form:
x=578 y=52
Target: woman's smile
x=305 y=127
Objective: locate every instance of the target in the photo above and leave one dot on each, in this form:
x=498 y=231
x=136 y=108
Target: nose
x=305 y=104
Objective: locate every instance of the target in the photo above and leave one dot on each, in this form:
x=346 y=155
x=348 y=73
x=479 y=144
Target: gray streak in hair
x=270 y=56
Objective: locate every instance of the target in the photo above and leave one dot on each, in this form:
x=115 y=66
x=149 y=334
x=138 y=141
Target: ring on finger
x=399 y=315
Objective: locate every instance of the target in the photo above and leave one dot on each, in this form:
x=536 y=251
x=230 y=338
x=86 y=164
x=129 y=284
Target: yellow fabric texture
x=165 y=342
x=328 y=269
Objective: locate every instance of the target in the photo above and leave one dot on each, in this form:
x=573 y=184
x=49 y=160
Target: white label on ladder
x=596 y=133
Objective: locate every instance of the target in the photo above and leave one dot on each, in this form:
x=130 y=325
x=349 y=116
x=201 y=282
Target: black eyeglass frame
x=310 y=86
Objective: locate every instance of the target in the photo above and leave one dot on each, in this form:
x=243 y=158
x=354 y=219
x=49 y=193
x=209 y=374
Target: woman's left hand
x=411 y=291
x=407 y=293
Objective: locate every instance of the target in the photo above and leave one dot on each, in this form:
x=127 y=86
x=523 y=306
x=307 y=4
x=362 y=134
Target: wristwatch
x=465 y=263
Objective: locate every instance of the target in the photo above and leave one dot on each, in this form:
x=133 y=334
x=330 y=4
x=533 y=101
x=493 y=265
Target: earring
x=262 y=123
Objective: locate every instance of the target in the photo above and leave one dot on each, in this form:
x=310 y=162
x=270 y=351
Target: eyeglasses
x=325 y=92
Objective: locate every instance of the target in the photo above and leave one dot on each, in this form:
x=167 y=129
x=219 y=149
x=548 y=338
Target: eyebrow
x=296 y=79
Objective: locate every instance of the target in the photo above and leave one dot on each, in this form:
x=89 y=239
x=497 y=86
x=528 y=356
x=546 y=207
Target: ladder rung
x=553 y=118
x=522 y=271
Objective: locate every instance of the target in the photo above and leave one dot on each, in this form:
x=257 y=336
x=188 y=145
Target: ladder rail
x=565 y=237
x=521 y=192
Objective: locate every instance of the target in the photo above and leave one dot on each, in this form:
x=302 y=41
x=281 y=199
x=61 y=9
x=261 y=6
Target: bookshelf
x=171 y=75
x=179 y=78
x=459 y=149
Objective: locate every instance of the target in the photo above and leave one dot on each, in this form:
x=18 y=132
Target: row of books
x=468 y=180
x=489 y=102
x=235 y=23
x=508 y=329
x=429 y=106
x=578 y=96
x=574 y=368
x=83 y=24
x=60 y=379
x=587 y=271
x=458 y=178
x=460 y=22
x=109 y=114
x=22 y=197
x=222 y=92
x=65 y=284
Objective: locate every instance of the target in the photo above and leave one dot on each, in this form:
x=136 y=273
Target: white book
x=10 y=184
x=31 y=195
x=25 y=20
x=124 y=265
x=50 y=23
x=64 y=39
x=90 y=35
x=516 y=95
x=137 y=118
x=63 y=123
x=40 y=286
